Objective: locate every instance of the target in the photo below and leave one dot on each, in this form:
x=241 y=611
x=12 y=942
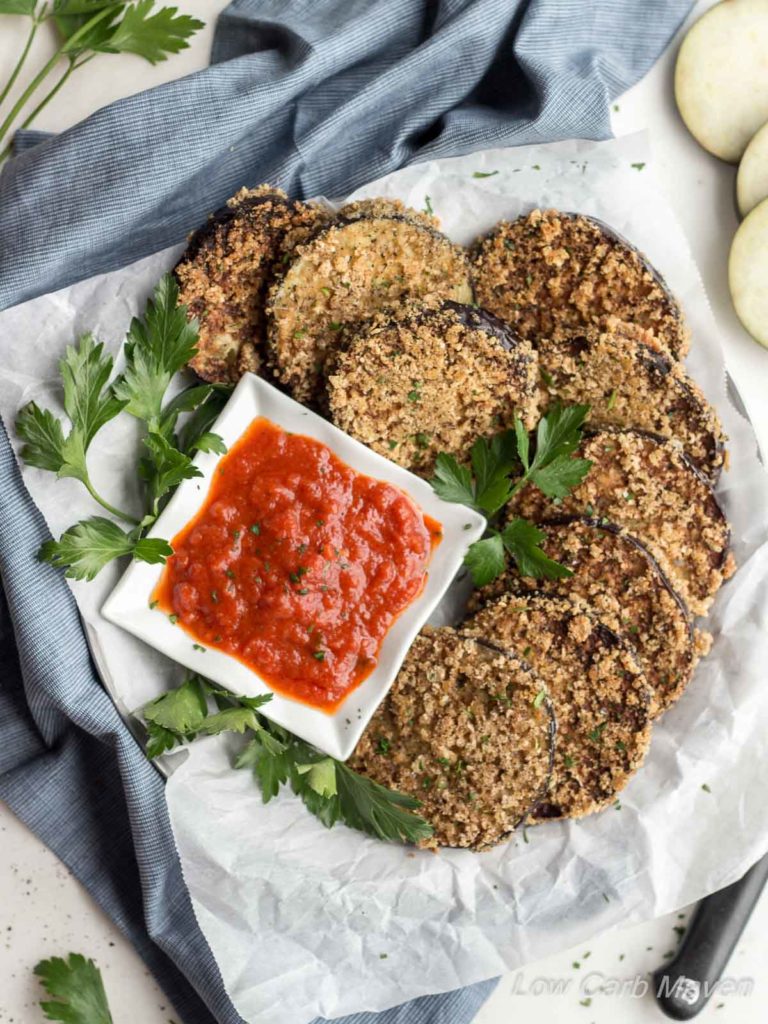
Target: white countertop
x=45 y=912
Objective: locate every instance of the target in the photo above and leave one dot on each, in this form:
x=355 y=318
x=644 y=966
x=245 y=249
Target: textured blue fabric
x=318 y=96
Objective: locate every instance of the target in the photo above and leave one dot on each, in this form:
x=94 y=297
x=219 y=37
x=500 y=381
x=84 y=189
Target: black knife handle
x=684 y=985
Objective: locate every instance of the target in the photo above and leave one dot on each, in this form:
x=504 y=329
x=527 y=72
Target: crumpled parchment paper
x=305 y=921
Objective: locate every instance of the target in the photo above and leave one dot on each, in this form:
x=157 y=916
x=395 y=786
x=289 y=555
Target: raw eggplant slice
x=752 y=177
x=224 y=273
x=616 y=575
x=551 y=270
x=602 y=701
x=347 y=273
x=432 y=380
x=646 y=484
x=721 y=77
x=468 y=731
x=748 y=272
x=630 y=383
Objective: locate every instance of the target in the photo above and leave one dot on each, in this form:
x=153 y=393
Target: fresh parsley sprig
x=77 y=990
x=328 y=788
x=157 y=347
x=86 y=28
x=502 y=466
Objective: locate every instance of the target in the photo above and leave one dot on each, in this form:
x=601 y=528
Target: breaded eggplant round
x=224 y=273
x=468 y=731
x=549 y=271
x=629 y=383
x=373 y=260
x=647 y=484
x=603 y=703
x=433 y=380
x=616 y=575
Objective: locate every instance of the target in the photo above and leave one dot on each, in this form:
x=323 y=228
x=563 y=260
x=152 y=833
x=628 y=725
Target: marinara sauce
x=297 y=564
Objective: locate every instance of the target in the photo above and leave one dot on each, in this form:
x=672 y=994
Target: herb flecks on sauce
x=312 y=591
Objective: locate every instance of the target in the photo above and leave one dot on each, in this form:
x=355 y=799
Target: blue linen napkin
x=318 y=96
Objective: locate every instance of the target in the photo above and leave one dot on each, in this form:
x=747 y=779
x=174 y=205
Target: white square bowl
x=335 y=732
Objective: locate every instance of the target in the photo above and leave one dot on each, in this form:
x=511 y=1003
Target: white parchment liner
x=304 y=921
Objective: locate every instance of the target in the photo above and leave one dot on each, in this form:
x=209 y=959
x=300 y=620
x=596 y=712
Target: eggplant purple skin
x=544 y=811
x=204 y=237
x=616 y=237
x=552 y=731
x=600 y=523
x=613 y=236
x=478 y=319
x=661 y=365
x=704 y=480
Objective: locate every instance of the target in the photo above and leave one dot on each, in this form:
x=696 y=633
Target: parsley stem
x=20 y=63
x=73 y=65
x=106 y=505
x=65 y=50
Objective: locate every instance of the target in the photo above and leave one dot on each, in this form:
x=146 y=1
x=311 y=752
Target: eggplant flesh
x=349 y=272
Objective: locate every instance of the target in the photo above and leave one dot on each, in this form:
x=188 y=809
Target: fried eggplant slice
x=224 y=273
x=647 y=484
x=432 y=381
x=629 y=383
x=616 y=575
x=551 y=271
x=468 y=731
x=375 y=259
x=603 y=703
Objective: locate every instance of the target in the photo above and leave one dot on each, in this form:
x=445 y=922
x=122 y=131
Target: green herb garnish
x=489 y=485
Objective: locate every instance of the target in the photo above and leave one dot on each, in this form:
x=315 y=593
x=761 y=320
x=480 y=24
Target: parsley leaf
x=269 y=760
x=381 y=812
x=181 y=711
x=89 y=404
x=558 y=433
x=164 y=468
x=559 y=477
x=208 y=442
x=328 y=788
x=485 y=559
x=84 y=549
x=18 y=6
x=151 y=36
x=523 y=542
x=158 y=345
x=77 y=990
x=489 y=486
x=453 y=482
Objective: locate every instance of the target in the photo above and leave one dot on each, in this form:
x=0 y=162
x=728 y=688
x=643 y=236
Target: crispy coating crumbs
x=347 y=273
x=603 y=704
x=629 y=383
x=624 y=586
x=224 y=273
x=379 y=207
x=647 y=485
x=432 y=381
x=550 y=270
x=467 y=730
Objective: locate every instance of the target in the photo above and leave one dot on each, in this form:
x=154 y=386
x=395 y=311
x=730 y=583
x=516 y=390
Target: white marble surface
x=45 y=912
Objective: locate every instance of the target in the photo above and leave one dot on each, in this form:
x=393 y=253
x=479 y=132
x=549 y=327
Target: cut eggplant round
x=748 y=272
x=623 y=584
x=628 y=382
x=224 y=273
x=721 y=77
x=647 y=485
x=432 y=380
x=467 y=729
x=752 y=176
x=602 y=701
x=549 y=270
x=375 y=259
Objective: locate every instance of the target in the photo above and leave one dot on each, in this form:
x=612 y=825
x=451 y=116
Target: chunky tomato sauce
x=297 y=564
